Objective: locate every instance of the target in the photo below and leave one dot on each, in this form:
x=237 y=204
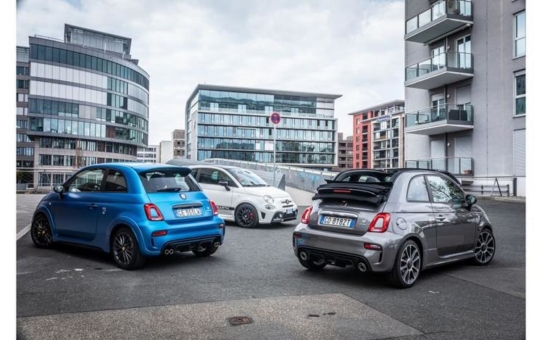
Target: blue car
x=132 y=211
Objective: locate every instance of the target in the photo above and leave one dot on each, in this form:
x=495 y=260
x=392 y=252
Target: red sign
x=275 y=118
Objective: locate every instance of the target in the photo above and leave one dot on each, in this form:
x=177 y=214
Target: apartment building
x=465 y=89
x=345 y=153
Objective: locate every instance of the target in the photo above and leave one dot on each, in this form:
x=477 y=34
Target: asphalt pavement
x=74 y=293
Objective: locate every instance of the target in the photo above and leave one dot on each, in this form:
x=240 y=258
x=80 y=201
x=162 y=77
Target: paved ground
x=69 y=293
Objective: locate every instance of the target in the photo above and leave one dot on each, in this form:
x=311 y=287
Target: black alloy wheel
x=125 y=250
x=246 y=216
x=41 y=233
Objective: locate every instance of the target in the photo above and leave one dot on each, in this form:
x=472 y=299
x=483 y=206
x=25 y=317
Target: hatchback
x=243 y=197
x=130 y=210
x=394 y=222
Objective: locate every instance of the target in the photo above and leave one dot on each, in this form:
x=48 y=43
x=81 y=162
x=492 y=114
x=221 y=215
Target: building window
x=22 y=84
x=520 y=94
x=519 y=34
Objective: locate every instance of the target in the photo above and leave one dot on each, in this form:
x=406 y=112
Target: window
x=519 y=34
x=520 y=94
x=444 y=190
x=89 y=180
x=115 y=182
x=417 y=190
x=167 y=181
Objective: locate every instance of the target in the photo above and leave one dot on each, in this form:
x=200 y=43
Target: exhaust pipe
x=303 y=256
x=169 y=251
x=217 y=244
x=362 y=267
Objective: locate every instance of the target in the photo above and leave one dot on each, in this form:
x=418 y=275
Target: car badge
x=183 y=196
x=344 y=204
x=287 y=201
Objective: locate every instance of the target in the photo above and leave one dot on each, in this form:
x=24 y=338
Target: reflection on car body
x=396 y=222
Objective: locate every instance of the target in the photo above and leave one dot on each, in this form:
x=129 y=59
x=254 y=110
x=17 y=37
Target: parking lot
x=68 y=292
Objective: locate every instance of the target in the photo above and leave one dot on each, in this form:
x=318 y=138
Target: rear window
x=363 y=177
x=167 y=181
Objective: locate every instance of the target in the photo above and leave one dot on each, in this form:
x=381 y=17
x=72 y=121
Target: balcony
x=442 y=69
x=441 y=18
x=441 y=119
x=459 y=166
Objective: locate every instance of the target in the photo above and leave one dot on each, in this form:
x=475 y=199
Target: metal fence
x=40 y=180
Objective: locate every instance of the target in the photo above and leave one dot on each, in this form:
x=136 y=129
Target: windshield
x=247 y=178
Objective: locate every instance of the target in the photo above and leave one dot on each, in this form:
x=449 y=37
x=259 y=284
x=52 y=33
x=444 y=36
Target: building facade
x=165 y=151
x=234 y=123
x=379 y=136
x=465 y=88
x=179 y=143
x=345 y=153
x=87 y=103
x=148 y=154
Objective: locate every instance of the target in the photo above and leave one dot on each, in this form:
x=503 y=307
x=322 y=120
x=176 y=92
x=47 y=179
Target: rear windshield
x=167 y=181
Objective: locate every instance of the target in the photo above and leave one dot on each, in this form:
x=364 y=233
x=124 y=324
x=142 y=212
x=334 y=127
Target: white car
x=243 y=197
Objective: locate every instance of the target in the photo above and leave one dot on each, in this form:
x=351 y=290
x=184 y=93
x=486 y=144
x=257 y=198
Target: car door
x=208 y=178
x=456 y=225
x=114 y=200
x=76 y=213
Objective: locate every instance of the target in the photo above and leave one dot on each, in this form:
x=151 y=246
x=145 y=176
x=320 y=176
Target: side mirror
x=471 y=200
x=59 y=189
x=224 y=184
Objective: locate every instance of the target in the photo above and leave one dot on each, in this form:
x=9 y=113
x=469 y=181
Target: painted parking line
x=23 y=232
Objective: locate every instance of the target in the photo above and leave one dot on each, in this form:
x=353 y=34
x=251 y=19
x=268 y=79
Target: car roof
x=394 y=172
x=138 y=167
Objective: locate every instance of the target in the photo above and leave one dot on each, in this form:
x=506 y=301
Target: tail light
x=306 y=215
x=214 y=207
x=380 y=223
x=159 y=233
x=152 y=212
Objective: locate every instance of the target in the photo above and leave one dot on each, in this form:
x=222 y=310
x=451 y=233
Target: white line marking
x=52 y=278
x=62 y=271
x=78 y=270
x=23 y=232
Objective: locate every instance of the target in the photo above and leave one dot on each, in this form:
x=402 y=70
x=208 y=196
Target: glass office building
x=234 y=123
x=87 y=103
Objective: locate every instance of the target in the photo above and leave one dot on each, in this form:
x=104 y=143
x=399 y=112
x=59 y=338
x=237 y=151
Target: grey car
x=396 y=222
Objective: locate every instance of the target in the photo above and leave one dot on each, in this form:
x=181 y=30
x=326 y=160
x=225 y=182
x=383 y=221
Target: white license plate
x=336 y=221
x=188 y=212
x=289 y=211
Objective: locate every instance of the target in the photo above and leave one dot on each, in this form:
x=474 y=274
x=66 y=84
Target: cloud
x=354 y=47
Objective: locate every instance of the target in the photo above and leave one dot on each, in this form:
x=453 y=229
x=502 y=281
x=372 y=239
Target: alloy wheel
x=485 y=247
x=41 y=232
x=123 y=248
x=410 y=264
x=245 y=216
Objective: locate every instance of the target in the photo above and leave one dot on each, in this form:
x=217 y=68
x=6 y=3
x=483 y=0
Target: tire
x=312 y=265
x=202 y=251
x=246 y=216
x=485 y=247
x=41 y=233
x=125 y=250
x=407 y=266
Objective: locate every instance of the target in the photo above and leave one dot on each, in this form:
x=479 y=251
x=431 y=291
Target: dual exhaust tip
x=171 y=251
x=361 y=266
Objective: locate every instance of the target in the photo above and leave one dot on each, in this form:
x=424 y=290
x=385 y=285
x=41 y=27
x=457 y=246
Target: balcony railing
x=461 y=166
x=441 y=69
x=440 y=119
x=442 y=17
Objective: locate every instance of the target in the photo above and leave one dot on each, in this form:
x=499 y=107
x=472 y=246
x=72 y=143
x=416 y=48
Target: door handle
x=93 y=205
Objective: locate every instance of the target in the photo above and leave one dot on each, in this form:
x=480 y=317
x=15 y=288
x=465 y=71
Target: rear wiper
x=172 y=189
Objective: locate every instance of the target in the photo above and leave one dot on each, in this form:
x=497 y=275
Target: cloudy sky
x=350 y=47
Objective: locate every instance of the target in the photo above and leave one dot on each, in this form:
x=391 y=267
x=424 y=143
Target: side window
x=194 y=172
x=115 y=182
x=90 y=180
x=444 y=190
x=208 y=176
x=417 y=190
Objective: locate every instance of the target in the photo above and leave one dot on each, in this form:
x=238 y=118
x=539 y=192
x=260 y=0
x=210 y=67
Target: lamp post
x=275 y=119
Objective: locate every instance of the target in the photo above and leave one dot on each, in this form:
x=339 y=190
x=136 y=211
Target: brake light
x=342 y=191
x=306 y=215
x=159 y=233
x=214 y=207
x=380 y=223
x=372 y=246
x=152 y=212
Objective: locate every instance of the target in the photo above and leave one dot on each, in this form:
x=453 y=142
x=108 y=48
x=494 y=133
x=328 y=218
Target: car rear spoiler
x=374 y=193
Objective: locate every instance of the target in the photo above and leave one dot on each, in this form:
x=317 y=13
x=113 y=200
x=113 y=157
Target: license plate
x=289 y=211
x=336 y=221
x=188 y=212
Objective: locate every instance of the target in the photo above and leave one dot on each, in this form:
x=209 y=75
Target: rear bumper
x=179 y=234
x=190 y=244
x=343 y=249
